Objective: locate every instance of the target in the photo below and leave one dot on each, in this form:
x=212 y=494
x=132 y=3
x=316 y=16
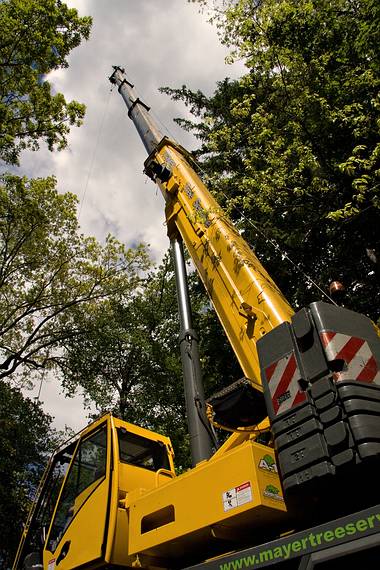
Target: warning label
x=237 y=496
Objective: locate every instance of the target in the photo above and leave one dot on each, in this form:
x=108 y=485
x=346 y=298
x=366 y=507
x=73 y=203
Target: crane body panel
x=242 y=496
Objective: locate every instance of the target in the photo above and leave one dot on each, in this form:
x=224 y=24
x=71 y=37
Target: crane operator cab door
x=78 y=529
x=69 y=525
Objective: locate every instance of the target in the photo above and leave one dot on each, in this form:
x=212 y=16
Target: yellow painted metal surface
x=226 y=496
x=131 y=481
x=132 y=515
x=246 y=299
x=85 y=533
x=90 y=511
x=85 y=516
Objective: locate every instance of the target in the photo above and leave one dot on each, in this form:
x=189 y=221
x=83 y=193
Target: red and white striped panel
x=356 y=353
x=282 y=377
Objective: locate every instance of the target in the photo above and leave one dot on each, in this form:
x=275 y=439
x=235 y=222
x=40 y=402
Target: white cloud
x=159 y=42
x=66 y=411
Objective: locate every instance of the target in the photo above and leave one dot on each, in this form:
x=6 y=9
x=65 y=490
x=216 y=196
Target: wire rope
x=94 y=153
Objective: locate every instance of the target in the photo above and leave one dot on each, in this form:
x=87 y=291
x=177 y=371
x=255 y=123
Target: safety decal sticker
x=51 y=564
x=272 y=492
x=237 y=496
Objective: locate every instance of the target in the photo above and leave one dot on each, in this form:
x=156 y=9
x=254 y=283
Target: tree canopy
x=26 y=437
x=292 y=148
x=52 y=278
x=129 y=359
x=48 y=270
x=36 y=38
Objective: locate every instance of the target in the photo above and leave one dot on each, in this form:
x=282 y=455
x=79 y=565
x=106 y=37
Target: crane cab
x=79 y=516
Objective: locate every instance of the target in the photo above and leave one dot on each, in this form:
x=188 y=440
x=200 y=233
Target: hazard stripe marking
x=278 y=371
x=283 y=385
x=369 y=372
x=282 y=377
x=269 y=371
x=360 y=363
x=300 y=397
x=295 y=394
x=350 y=349
x=334 y=343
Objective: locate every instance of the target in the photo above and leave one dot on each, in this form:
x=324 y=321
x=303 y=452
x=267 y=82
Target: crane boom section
x=246 y=299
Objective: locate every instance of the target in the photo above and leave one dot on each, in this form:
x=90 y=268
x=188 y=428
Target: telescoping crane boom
x=110 y=498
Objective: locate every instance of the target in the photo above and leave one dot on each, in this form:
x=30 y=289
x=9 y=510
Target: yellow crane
x=110 y=498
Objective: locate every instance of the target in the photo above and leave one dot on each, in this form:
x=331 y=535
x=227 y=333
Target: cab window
x=141 y=451
x=87 y=471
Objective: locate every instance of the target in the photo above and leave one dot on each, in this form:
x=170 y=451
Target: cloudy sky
x=159 y=43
